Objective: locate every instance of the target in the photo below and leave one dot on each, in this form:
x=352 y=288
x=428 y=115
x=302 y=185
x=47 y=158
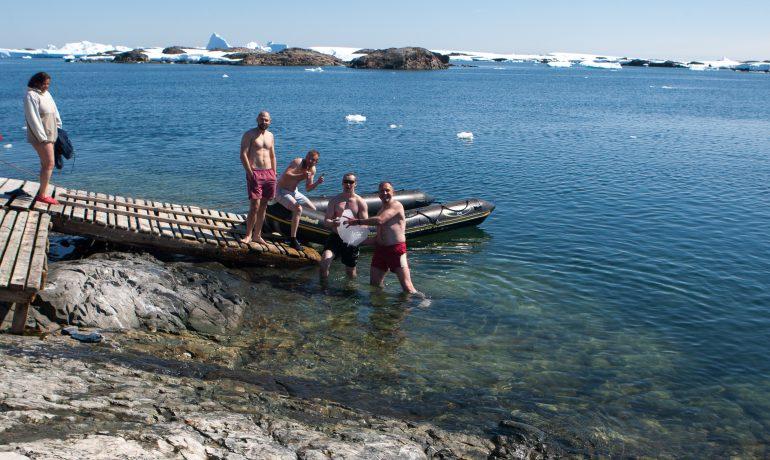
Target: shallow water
x=618 y=297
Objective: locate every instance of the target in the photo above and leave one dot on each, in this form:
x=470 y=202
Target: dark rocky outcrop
x=411 y=58
x=364 y=51
x=243 y=54
x=669 y=64
x=132 y=56
x=173 y=50
x=128 y=291
x=291 y=57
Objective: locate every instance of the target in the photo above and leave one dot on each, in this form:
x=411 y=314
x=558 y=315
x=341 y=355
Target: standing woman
x=43 y=122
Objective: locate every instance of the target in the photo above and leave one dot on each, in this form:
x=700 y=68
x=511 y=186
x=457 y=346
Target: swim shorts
x=261 y=185
x=348 y=254
x=285 y=197
x=388 y=257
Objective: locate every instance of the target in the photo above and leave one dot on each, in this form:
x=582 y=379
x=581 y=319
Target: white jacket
x=42 y=116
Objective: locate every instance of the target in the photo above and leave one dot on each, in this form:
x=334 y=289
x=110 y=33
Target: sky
x=686 y=29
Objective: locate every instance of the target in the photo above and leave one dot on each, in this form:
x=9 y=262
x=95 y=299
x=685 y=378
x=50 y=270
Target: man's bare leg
x=376 y=277
x=405 y=279
x=351 y=271
x=256 y=234
x=326 y=261
x=295 y=215
x=251 y=220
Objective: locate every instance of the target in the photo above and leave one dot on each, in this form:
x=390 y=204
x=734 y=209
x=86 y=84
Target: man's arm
x=309 y=184
x=329 y=216
x=245 y=141
x=363 y=210
x=272 y=156
x=290 y=170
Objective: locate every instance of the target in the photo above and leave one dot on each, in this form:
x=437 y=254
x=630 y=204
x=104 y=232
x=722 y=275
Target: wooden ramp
x=23 y=261
x=138 y=222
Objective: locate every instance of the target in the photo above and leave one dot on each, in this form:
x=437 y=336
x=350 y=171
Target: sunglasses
x=348 y=181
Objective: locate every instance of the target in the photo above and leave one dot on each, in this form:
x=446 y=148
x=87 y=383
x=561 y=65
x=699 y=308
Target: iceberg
x=600 y=65
x=276 y=47
x=753 y=66
x=559 y=64
x=466 y=135
x=8 y=146
x=355 y=118
x=256 y=46
x=215 y=41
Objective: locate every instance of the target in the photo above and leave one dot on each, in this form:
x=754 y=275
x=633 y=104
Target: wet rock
x=410 y=58
x=120 y=291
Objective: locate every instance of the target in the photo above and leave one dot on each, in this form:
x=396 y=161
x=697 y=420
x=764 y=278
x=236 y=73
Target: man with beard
x=300 y=169
x=390 y=243
x=258 y=158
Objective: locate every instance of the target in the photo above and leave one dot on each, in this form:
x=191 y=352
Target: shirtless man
x=334 y=246
x=258 y=158
x=292 y=199
x=390 y=243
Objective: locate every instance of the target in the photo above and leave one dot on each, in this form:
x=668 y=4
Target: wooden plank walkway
x=182 y=229
x=23 y=261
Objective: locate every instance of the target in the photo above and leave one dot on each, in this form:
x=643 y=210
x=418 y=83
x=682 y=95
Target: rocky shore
x=163 y=385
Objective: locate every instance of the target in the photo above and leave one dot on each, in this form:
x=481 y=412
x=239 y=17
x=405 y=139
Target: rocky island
x=410 y=58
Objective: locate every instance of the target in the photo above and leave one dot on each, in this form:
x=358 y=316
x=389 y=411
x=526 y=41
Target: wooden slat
x=12 y=249
x=187 y=231
x=39 y=205
x=220 y=239
x=165 y=227
x=27 y=199
x=197 y=230
x=151 y=217
x=100 y=214
x=39 y=264
x=8 y=186
x=3 y=180
x=224 y=232
x=6 y=225
x=66 y=211
x=24 y=257
x=156 y=207
x=141 y=217
x=78 y=211
x=123 y=221
x=207 y=233
x=89 y=214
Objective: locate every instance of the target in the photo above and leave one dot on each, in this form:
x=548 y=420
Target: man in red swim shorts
x=258 y=158
x=390 y=244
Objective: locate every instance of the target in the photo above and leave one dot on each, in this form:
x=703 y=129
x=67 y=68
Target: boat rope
x=443 y=207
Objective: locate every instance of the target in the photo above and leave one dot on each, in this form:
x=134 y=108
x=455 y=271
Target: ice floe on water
x=394 y=126
x=465 y=135
x=600 y=65
x=316 y=69
x=8 y=146
x=224 y=75
x=355 y=118
x=559 y=64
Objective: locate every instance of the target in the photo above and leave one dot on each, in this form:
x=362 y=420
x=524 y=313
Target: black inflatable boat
x=423 y=215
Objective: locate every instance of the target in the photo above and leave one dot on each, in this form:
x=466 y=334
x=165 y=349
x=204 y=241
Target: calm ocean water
x=618 y=298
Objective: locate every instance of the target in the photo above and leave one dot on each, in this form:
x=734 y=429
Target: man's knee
x=297 y=208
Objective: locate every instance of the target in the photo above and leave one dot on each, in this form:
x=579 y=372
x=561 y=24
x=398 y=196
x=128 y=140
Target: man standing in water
x=258 y=158
x=334 y=246
x=390 y=243
x=292 y=199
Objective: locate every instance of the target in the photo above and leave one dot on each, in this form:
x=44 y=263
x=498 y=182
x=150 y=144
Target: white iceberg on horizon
x=559 y=64
x=216 y=41
x=355 y=118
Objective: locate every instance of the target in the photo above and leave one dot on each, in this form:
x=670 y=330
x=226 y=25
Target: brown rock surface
x=411 y=58
x=291 y=57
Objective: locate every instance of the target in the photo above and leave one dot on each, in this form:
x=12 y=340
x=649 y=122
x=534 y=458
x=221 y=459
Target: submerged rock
x=411 y=58
x=291 y=57
x=120 y=291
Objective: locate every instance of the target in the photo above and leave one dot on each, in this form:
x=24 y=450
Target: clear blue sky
x=739 y=29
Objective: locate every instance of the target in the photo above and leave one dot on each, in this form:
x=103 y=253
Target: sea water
x=618 y=298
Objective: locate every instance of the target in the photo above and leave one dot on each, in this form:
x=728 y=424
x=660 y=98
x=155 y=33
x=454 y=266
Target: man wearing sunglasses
x=334 y=246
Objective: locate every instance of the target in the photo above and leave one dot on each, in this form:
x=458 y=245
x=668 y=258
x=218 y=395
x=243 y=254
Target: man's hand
x=320 y=180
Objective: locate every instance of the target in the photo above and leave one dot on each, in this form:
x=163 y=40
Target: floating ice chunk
x=666 y=87
x=601 y=65
x=224 y=75
x=467 y=135
x=559 y=64
x=26 y=57
x=355 y=118
x=393 y=126
x=24 y=128
x=632 y=137
x=8 y=146
x=317 y=69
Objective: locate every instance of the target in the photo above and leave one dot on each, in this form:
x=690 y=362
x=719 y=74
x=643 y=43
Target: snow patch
x=601 y=65
x=466 y=135
x=559 y=64
x=340 y=52
x=355 y=118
